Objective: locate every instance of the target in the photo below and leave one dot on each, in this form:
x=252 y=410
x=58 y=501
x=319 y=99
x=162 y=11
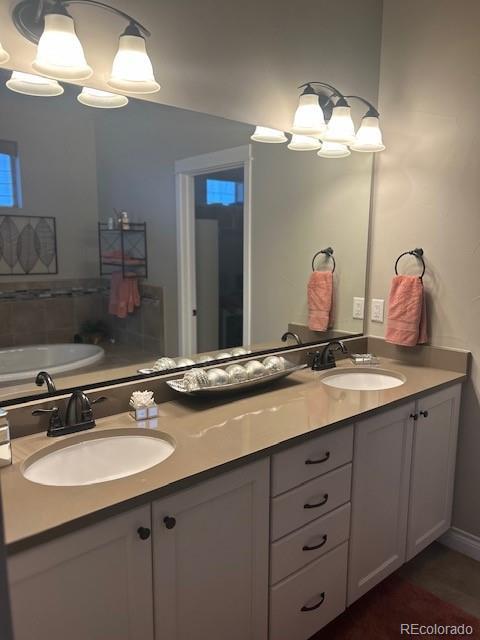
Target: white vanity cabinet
x=403 y=476
x=210 y=558
x=95 y=583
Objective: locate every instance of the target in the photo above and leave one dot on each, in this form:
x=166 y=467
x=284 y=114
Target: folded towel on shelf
x=407 y=312
x=124 y=295
x=320 y=299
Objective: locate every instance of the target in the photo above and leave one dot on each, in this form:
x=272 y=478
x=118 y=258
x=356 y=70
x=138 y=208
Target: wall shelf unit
x=123 y=249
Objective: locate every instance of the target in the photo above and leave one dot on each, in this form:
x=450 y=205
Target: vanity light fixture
x=101 y=99
x=32 y=85
x=270 y=136
x=60 y=53
x=324 y=113
x=4 y=56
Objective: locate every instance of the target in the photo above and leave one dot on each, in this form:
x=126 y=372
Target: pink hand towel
x=124 y=295
x=320 y=298
x=407 y=312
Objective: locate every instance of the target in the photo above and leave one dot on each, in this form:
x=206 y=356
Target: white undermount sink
x=363 y=379
x=97 y=459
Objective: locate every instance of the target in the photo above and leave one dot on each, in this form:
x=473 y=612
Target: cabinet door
x=95 y=583
x=210 y=547
x=380 y=485
x=433 y=468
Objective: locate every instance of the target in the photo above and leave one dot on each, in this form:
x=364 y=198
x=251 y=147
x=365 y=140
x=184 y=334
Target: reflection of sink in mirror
x=225 y=268
x=363 y=379
x=23 y=363
x=98 y=459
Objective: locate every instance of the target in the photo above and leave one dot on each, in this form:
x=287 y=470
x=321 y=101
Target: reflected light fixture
x=32 y=85
x=4 y=56
x=303 y=143
x=60 y=53
x=101 y=99
x=324 y=113
x=270 y=136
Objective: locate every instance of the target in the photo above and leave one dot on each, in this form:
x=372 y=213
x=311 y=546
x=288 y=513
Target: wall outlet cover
x=358 y=311
x=377 y=310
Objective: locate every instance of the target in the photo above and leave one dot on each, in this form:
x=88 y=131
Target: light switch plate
x=358 y=308
x=377 y=310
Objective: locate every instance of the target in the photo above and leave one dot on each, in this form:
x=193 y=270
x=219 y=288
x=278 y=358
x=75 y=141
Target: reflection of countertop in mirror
x=208 y=436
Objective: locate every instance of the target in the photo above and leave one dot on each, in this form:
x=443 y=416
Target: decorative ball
x=223 y=355
x=274 y=363
x=217 y=377
x=162 y=364
x=204 y=358
x=237 y=373
x=195 y=379
x=239 y=351
x=255 y=369
x=185 y=362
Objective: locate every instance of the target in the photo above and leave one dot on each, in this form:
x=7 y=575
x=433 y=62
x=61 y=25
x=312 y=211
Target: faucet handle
x=55 y=421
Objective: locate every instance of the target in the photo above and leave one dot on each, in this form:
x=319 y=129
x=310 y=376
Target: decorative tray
x=236 y=387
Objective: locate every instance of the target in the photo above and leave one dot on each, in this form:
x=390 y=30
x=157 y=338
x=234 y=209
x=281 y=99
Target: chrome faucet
x=44 y=377
x=292 y=335
x=78 y=415
x=325 y=359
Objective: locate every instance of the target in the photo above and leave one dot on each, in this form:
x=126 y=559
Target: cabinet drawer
x=295 y=508
x=309 y=543
x=305 y=602
x=310 y=459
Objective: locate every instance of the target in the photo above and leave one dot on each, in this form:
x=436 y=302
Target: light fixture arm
x=372 y=111
x=334 y=90
x=28 y=16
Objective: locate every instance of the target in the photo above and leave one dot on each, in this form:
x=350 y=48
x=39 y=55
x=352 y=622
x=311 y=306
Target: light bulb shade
x=32 y=85
x=4 y=56
x=333 y=150
x=132 y=69
x=101 y=99
x=340 y=127
x=59 y=51
x=304 y=143
x=369 y=136
x=270 y=136
x=308 y=119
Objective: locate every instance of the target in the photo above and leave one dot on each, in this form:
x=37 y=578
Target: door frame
x=185 y=172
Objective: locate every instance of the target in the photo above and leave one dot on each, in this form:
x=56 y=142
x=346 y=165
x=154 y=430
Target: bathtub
x=23 y=363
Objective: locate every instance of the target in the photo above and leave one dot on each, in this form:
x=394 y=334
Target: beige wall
x=428 y=190
x=301 y=204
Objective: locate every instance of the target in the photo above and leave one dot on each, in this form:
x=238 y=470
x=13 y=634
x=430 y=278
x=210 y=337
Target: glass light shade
x=4 y=56
x=32 y=85
x=303 y=143
x=101 y=99
x=369 y=136
x=59 y=51
x=340 y=127
x=132 y=69
x=270 y=136
x=333 y=150
x=308 y=119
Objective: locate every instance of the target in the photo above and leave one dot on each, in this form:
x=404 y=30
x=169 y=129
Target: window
x=9 y=183
x=224 y=192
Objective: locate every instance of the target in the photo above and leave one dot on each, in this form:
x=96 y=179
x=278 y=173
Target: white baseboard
x=462 y=542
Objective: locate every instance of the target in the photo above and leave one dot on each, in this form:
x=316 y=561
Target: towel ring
x=418 y=253
x=329 y=253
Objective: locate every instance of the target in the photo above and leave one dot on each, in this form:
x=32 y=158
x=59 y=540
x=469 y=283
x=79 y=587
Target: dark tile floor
x=447 y=574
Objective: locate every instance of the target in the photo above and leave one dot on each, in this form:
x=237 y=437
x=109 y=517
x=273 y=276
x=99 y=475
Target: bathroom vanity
x=274 y=513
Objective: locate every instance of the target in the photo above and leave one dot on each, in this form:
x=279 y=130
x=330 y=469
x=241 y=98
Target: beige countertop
x=208 y=435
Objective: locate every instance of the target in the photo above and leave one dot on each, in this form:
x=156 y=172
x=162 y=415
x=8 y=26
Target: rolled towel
x=320 y=298
x=407 y=312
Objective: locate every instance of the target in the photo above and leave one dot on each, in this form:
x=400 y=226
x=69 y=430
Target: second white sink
x=98 y=459
x=363 y=379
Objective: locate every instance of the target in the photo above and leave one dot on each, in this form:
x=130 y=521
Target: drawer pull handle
x=324 y=459
x=317 y=546
x=315 y=606
x=318 y=504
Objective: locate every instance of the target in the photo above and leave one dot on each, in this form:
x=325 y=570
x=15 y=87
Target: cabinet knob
x=143 y=533
x=414 y=416
x=424 y=414
x=169 y=522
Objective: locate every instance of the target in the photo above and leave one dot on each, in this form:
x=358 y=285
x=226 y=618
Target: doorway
x=213 y=216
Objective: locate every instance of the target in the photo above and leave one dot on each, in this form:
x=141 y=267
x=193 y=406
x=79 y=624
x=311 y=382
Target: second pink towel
x=320 y=299
x=407 y=312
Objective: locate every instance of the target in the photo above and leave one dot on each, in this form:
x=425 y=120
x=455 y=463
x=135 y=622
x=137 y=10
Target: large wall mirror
x=134 y=234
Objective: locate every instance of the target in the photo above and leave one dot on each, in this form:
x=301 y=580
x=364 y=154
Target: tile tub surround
x=209 y=437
